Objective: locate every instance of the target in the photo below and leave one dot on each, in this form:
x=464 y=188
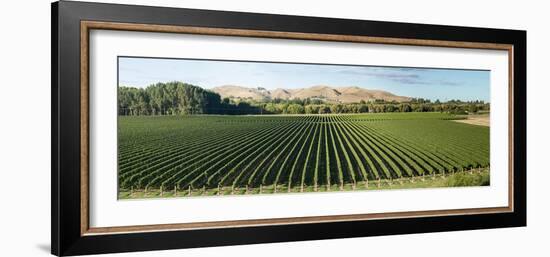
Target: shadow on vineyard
x=475 y=177
x=199 y=155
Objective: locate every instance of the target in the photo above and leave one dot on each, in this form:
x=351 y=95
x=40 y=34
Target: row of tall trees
x=176 y=98
x=306 y=106
x=181 y=98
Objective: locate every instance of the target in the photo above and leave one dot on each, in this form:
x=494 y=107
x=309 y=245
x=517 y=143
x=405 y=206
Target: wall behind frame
x=25 y=126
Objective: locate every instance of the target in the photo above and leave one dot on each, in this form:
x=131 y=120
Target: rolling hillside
x=323 y=92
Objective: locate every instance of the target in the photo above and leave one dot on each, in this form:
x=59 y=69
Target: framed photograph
x=178 y=128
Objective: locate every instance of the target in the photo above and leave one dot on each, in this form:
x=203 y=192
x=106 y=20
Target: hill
x=322 y=92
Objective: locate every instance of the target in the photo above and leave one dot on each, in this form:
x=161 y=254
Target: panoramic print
x=194 y=128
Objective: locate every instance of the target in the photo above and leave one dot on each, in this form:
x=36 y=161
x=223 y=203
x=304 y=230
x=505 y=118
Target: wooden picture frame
x=71 y=25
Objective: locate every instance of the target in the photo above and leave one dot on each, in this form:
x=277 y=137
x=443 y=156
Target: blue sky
x=443 y=84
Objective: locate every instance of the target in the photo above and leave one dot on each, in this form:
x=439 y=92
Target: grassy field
x=165 y=156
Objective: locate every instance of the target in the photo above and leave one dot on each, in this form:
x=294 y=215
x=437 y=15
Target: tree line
x=174 y=98
x=454 y=107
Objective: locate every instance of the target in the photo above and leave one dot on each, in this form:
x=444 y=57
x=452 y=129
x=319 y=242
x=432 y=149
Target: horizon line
x=332 y=87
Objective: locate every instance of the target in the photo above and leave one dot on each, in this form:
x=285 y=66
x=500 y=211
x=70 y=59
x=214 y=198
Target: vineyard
x=198 y=155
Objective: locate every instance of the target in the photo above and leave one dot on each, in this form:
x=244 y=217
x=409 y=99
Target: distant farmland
x=210 y=155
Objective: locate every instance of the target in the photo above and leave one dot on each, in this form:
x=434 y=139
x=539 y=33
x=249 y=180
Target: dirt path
x=480 y=120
